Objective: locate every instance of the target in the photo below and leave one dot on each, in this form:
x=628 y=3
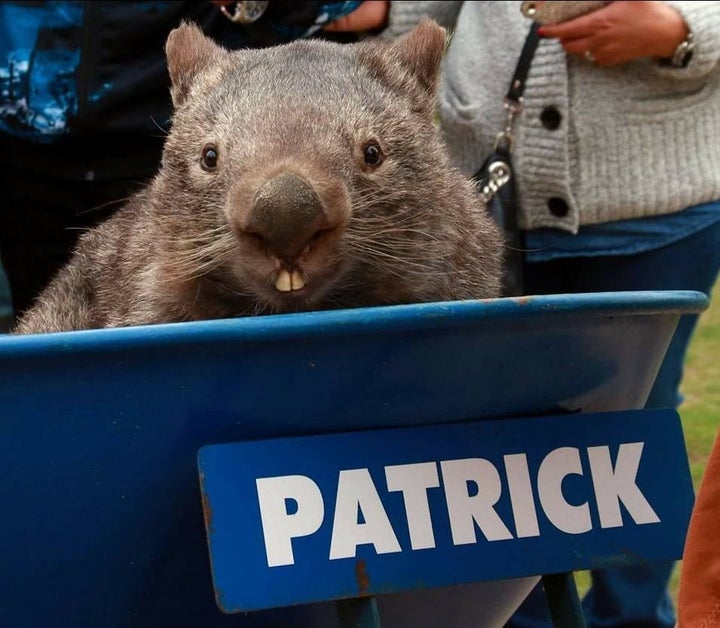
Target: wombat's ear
x=188 y=52
x=421 y=51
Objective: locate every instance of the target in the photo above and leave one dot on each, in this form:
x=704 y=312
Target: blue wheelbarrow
x=404 y=465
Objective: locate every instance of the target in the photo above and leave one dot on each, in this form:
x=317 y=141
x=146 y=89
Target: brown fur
x=410 y=229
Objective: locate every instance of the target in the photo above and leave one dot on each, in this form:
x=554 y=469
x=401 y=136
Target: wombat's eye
x=372 y=154
x=209 y=157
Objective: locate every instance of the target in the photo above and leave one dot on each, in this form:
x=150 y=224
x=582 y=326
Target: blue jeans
x=635 y=596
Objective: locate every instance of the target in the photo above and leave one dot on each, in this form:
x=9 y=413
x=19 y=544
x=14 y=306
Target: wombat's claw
x=287 y=282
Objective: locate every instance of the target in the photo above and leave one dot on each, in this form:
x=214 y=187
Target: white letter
x=612 y=486
x=465 y=510
x=279 y=527
x=521 y=495
x=414 y=480
x=356 y=493
x=556 y=465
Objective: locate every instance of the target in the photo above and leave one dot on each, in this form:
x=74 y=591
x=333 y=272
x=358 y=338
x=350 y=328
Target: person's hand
x=369 y=16
x=621 y=31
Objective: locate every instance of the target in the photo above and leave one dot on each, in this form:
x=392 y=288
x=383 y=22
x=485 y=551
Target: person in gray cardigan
x=617 y=164
x=630 y=139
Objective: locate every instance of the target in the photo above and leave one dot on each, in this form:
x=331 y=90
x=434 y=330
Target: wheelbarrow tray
x=102 y=522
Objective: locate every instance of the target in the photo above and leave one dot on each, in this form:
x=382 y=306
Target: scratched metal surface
x=102 y=519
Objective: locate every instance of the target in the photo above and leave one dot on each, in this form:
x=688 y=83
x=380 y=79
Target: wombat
x=306 y=176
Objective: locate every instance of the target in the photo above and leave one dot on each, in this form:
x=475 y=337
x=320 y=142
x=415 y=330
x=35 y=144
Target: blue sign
x=299 y=520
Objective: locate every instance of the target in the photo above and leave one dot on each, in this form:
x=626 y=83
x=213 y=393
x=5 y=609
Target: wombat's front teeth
x=286 y=282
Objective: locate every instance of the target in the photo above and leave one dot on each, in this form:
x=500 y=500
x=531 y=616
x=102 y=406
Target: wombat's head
x=312 y=175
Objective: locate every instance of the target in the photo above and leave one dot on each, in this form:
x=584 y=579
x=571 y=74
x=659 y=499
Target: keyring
x=246 y=12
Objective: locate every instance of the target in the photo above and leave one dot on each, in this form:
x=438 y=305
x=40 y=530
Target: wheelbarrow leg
x=563 y=600
x=360 y=612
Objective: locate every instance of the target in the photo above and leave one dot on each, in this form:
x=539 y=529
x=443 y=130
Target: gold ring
x=589 y=56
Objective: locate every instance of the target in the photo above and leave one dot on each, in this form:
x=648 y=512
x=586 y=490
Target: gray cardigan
x=633 y=140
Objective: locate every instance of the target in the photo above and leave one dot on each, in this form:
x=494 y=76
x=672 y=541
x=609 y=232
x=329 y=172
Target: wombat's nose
x=286 y=214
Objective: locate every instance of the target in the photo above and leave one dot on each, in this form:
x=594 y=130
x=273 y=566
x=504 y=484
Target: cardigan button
x=558 y=207
x=551 y=118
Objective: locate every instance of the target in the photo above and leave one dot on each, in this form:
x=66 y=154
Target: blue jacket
x=84 y=91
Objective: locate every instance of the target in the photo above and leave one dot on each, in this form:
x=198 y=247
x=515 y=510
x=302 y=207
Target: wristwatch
x=684 y=52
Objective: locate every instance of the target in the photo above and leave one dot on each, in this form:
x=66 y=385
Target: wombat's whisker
x=185 y=268
x=390 y=249
x=404 y=266
x=219 y=238
x=95 y=208
x=188 y=265
x=162 y=129
x=210 y=234
x=412 y=245
x=202 y=252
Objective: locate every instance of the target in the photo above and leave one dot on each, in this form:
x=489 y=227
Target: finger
x=585 y=48
x=579 y=46
x=612 y=55
x=582 y=26
x=342 y=24
x=370 y=15
x=602 y=53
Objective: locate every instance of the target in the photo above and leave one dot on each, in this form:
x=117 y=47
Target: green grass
x=700 y=411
